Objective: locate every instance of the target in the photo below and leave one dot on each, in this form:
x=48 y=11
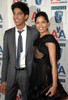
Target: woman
x=44 y=79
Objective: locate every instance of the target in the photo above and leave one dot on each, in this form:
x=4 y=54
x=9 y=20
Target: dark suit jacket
x=9 y=54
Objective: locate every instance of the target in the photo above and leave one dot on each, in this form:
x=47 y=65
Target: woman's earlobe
x=48 y=24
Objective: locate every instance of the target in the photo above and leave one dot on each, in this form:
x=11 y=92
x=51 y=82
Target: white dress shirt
x=22 y=55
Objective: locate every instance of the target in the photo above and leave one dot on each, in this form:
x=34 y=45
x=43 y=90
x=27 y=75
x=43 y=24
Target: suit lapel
x=27 y=38
x=13 y=41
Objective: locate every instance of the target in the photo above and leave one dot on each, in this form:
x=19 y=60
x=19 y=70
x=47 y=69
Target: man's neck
x=20 y=27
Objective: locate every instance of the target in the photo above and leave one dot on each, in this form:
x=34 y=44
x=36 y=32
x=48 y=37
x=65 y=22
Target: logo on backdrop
x=58 y=1
x=19 y=0
x=33 y=15
x=58 y=7
x=1 y=20
x=19 y=96
x=62 y=46
x=59 y=12
x=58 y=16
x=61 y=73
x=38 y=2
x=59 y=33
x=1 y=53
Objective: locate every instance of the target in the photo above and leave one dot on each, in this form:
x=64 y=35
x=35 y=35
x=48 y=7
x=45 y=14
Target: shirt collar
x=22 y=29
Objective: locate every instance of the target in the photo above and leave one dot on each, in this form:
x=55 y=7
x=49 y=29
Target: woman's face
x=41 y=24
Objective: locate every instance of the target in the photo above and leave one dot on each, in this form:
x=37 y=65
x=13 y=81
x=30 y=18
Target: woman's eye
x=37 y=22
x=43 y=22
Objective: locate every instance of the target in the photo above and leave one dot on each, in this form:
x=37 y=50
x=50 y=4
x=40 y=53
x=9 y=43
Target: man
x=17 y=54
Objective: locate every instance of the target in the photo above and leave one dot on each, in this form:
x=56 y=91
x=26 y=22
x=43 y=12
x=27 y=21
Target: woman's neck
x=45 y=33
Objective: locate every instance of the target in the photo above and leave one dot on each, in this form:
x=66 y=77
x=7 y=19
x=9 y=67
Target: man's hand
x=3 y=87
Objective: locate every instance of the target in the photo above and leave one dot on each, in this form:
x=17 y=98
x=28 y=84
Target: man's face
x=19 y=17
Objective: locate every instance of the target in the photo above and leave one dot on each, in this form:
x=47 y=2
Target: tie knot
x=20 y=32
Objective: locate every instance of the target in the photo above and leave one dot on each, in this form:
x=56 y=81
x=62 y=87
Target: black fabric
x=40 y=43
x=41 y=76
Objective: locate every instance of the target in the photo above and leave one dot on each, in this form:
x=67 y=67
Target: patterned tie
x=19 y=50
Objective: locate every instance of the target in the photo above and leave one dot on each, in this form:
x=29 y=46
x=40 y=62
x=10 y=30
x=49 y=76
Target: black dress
x=41 y=76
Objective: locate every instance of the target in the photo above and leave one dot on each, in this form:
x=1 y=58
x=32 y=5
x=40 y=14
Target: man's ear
x=26 y=17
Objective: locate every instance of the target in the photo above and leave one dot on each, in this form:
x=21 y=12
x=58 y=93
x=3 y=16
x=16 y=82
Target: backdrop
x=57 y=11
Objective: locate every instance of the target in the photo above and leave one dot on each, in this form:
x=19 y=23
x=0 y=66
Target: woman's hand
x=51 y=91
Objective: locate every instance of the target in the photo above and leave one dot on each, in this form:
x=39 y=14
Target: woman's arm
x=52 y=56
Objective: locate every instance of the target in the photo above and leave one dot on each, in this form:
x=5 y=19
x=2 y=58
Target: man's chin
x=18 y=25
